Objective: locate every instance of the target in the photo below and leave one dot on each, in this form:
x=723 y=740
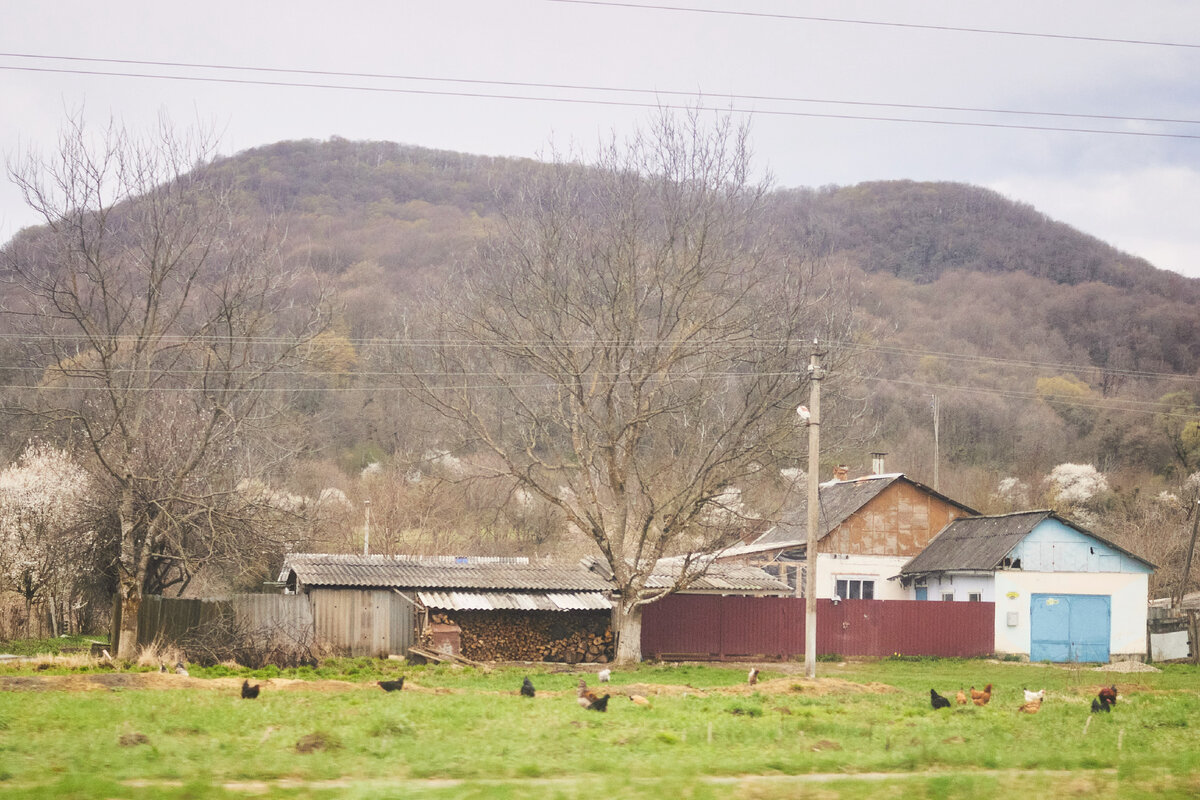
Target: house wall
x=1055 y=547
x=961 y=586
x=831 y=567
x=899 y=521
x=1129 y=593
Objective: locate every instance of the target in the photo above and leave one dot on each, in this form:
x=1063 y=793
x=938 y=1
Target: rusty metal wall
x=737 y=628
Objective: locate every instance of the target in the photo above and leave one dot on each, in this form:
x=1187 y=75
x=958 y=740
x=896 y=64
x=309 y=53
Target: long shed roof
x=498 y=576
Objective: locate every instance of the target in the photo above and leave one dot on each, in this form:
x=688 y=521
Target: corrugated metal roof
x=838 y=499
x=974 y=543
x=723 y=577
x=520 y=601
x=318 y=569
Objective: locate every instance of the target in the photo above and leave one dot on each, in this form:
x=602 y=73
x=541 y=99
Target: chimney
x=877 y=463
x=841 y=472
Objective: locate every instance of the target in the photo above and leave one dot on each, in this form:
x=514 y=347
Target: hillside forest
x=995 y=354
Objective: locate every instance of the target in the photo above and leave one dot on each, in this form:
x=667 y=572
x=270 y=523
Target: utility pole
x=936 y=404
x=367 y=528
x=815 y=374
x=1187 y=566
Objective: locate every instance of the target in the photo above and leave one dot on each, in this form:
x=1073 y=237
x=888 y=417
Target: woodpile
x=568 y=637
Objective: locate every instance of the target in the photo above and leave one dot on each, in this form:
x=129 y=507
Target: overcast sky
x=828 y=82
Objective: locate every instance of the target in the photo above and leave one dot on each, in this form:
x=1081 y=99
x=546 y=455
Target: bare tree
x=158 y=321
x=630 y=347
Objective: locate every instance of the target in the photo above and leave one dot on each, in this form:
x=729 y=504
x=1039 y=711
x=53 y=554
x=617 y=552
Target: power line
x=623 y=103
x=591 y=88
x=878 y=23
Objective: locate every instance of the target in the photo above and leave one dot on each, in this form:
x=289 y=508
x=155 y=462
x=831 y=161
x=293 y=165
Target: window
x=974 y=597
x=947 y=597
x=855 y=589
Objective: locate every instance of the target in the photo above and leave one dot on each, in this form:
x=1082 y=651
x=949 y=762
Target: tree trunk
x=627 y=630
x=130 y=572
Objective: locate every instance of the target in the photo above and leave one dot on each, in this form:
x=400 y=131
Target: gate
x=1070 y=627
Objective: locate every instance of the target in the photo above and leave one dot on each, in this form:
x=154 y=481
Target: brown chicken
x=1032 y=707
x=981 y=698
x=1108 y=695
x=961 y=697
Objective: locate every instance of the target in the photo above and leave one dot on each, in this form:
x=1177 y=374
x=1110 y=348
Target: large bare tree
x=630 y=347
x=159 y=323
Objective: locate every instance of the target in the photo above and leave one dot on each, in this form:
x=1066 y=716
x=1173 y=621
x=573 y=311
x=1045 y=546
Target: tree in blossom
x=45 y=531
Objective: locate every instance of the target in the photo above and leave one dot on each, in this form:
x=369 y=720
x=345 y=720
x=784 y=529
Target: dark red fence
x=709 y=627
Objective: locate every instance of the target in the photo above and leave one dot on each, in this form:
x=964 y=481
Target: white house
x=870 y=527
x=1062 y=593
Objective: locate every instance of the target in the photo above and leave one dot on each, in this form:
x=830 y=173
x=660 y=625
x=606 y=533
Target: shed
x=1062 y=593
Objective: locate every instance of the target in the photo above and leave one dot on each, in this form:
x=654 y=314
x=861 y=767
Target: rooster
x=1031 y=696
x=392 y=686
x=250 y=692
x=527 y=688
x=981 y=698
x=937 y=701
x=589 y=699
x=1108 y=695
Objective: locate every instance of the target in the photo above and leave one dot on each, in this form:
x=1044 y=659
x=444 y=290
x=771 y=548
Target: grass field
x=78 y=729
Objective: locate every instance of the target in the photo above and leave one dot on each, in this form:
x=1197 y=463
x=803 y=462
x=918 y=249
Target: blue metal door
x=1070 y=627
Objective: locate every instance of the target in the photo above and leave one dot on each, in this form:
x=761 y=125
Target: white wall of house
x=832 y=566
x=1129 y=593
x=957 y=588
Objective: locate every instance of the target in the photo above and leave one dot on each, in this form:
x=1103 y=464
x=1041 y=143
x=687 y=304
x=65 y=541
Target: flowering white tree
x=44 y=527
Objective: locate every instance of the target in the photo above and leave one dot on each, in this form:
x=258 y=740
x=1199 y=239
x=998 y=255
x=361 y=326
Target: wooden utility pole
x=815 y=373
x=936 y=404
x=1187 y=565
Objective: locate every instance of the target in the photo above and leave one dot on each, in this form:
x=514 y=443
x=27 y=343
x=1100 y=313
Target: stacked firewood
x=532 y=635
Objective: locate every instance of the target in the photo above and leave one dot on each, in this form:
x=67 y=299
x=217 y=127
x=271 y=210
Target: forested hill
x=936 y=269
x=918 y=231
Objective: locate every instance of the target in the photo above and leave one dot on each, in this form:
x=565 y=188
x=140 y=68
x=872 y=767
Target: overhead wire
x=878 y=23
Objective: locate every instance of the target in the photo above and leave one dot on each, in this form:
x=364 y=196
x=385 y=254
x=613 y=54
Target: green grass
x=465 y=733
x=54 y=646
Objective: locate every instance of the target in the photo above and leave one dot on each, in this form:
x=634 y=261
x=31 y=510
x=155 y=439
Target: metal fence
x=707 y=627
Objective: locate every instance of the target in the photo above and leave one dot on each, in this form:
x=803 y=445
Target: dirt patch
x=316 y=741
x=157 y=680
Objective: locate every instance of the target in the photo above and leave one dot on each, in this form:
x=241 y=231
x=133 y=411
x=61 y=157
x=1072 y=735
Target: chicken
x=981 y=698
x=961 y=698
x=589 y=699
x=752 y=678
x=937 y=701
x=392 y=686
x=527 y=688
x=637 y=699
x=1033 y=706
x=599 y=704
x=1031 y=696
x=1100 y=705
x=1108 y=695
x=250 y=692
x=162 y=667
x=604 y=675
x=180 y=669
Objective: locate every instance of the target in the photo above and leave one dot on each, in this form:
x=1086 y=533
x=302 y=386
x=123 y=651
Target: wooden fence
x=708 y=627
x=347 y=622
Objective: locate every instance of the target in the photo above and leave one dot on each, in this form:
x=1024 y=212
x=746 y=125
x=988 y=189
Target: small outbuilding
x=1062 y=593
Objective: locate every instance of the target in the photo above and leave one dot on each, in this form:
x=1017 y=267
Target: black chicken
x=937 y=701
x=1100 y=704
x=527 y=688
x=392 y=686
x=599 y=704
x=250 y=692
